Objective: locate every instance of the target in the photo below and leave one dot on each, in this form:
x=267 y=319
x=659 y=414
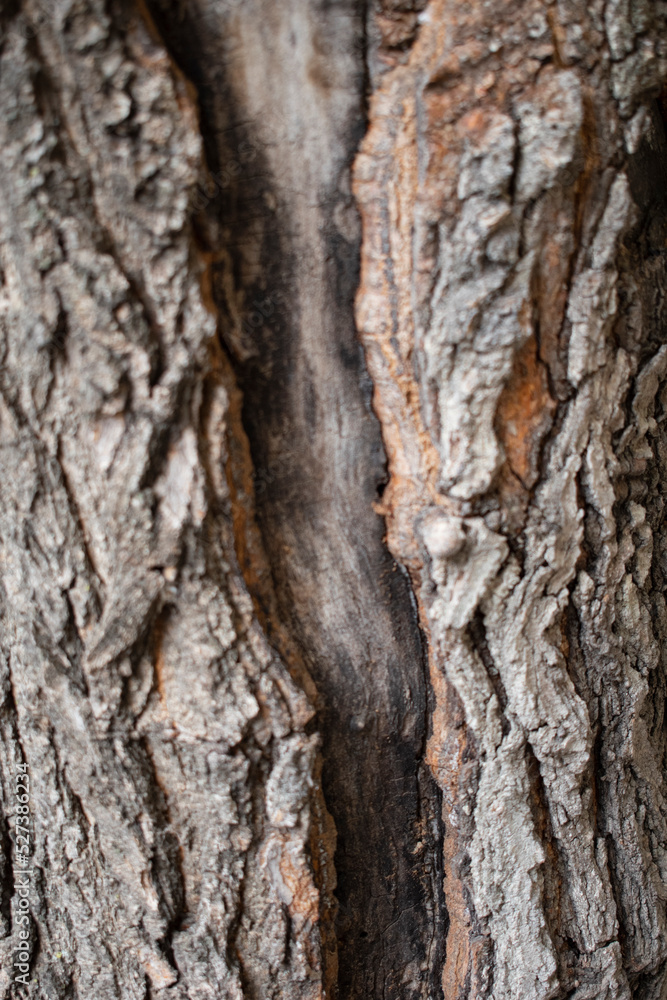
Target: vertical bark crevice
x=284 y=250
x=244 y=721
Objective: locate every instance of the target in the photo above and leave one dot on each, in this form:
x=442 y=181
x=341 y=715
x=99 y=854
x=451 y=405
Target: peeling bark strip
x=171 y=773
x=512 y=306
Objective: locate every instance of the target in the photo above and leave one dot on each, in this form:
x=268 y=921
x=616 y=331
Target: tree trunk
x=332 y=554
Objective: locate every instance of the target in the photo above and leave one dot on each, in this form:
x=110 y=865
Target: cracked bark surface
x=172 y=777
x=512 y=187
x=261 y=737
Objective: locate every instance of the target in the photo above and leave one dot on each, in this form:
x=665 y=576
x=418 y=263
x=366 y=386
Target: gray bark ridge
x=171 y=774
x=512 y=309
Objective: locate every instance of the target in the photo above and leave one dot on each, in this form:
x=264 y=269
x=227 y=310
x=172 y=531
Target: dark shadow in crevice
x=284 y=249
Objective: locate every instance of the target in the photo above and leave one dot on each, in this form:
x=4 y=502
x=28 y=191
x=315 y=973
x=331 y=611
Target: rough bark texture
x=170 y=770
x=512 y=306
x=221 y=681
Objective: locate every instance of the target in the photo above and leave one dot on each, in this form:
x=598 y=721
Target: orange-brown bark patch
x=524 y=415
x=445 y=756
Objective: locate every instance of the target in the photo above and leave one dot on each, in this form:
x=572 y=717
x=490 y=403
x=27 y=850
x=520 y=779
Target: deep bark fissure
x=205 y=638
x=273 y=390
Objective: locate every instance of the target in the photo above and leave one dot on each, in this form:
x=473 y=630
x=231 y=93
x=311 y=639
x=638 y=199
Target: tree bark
x=172 y=776
x=332 y=554
x=512 y=185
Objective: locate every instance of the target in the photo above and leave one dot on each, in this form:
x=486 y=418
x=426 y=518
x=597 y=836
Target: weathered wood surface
x=284 y=238
x=219 y=677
